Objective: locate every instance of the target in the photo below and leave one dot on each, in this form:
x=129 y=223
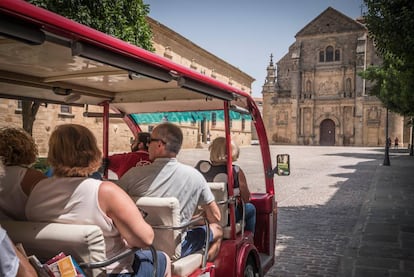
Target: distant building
x=171 y=45
x=314 y=96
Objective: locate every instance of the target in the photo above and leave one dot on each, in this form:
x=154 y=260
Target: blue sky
x=245 y=32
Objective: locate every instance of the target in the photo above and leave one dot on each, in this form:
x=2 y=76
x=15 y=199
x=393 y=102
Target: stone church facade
x=314 y=95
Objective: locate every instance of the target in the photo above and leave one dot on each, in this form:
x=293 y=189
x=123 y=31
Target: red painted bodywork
x=235 y=251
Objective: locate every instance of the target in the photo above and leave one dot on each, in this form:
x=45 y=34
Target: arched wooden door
x=327 y=133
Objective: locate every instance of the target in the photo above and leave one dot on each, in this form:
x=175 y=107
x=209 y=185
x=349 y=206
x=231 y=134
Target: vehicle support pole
x=105 y=128
x=412 y=137
x=230 y=180
x=387 y=146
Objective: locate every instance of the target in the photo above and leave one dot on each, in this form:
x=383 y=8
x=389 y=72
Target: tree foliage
x=124 y=19
x=393 y=86
x=390 y=24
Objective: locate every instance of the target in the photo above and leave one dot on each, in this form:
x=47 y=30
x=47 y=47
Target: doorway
x=327 y=133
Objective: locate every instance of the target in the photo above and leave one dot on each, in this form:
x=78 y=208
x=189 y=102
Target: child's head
x=218 y=151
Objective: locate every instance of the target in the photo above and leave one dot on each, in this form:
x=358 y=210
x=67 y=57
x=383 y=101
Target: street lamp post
x=412 y=137
x=387 y=145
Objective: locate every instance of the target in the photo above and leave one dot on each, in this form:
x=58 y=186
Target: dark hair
x=172 y=136
x=17 y=147
x=143 y=137
x=73 y=151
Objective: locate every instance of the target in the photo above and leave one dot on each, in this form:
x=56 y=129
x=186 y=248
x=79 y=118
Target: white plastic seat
x=85 y=243
x=219 y=190
x=163 y=213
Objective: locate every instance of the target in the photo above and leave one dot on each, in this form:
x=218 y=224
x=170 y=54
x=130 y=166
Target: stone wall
x=168 y=44
x=318 y=83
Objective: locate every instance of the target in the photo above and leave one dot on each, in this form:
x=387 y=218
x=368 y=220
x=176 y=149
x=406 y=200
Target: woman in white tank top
x=71 y=197
x=18 y=152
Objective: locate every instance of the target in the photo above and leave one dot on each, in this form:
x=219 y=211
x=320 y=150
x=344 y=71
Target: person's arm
x=212 y=212
x=30 y=179
x=125 y=214
x=114 y=162
x=244 y=189
x=25 y=268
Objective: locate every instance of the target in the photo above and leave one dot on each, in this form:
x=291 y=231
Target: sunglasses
x=156 y=139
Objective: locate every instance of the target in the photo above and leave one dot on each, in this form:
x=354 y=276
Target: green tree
x=124 y=19
x=393 y=85
x=390 y=24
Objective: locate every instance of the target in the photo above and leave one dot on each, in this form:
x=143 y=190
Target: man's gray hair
x=172 y=135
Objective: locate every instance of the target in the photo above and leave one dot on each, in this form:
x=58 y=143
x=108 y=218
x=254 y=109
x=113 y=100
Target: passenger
x=73 y=198
x=121 y=163
x=166 y=177
x=12 y=261
x=218 y=158
x=19 y=152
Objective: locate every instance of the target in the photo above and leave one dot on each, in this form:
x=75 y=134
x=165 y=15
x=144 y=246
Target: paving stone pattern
x=340 y=212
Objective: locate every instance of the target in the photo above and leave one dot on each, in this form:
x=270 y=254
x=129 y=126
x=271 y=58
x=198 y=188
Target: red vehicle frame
x=39 y=28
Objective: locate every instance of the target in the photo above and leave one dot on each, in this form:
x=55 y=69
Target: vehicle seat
x=216 y=177
x=219 y=190
x=163 y=211
x=214 y=173
x=85 y=243
x=163 y=214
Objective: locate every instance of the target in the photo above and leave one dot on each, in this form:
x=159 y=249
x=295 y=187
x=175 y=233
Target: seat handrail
x=192 y=223
x=120 y=256
x=109 y=261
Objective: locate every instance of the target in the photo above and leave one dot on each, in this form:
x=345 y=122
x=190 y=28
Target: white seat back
x=163 y=211
x=85 y=243
x=219 y=190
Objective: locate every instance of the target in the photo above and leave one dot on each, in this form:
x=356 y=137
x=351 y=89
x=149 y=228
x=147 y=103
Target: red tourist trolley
x=47 y=58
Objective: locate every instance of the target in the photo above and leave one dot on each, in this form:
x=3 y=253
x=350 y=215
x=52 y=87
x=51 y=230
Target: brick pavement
x=383 y=239
x=311 y=238
x=366 y=229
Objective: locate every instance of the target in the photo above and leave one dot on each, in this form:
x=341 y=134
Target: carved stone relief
x=328 y=87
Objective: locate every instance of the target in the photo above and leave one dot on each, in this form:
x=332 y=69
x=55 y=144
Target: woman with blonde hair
x=19 y=152
x=71 y=197
x=217 y=172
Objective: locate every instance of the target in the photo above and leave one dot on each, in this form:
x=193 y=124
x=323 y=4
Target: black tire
x=250 y=270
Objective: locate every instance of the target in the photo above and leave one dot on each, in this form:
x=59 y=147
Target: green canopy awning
x=151 y=118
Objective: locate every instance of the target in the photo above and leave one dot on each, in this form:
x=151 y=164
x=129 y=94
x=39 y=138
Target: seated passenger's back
x=216 y=176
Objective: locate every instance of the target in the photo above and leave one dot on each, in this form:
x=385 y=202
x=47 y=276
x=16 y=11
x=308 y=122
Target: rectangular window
x=65 y=109
x=329 y=54
x=337 y=55
x=213 y=119
x=243 y=124
x=321 y=56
